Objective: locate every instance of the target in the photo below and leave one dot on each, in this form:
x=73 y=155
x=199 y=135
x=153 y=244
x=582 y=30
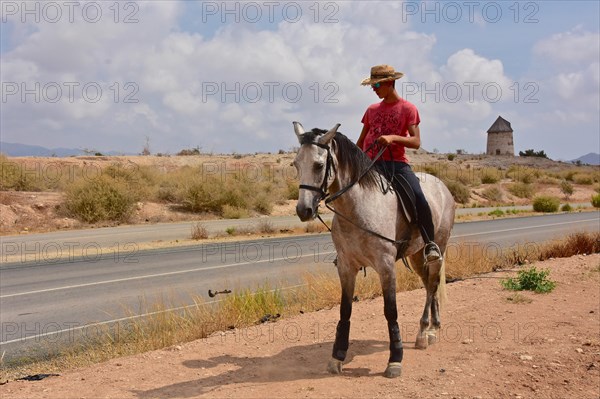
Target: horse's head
x=316 y=165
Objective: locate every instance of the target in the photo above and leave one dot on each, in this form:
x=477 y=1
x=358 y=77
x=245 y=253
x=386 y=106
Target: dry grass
x=199 y=232
x=315 y=227
x=518 y=298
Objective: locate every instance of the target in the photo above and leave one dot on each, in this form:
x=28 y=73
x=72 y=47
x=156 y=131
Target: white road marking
x=523 y=228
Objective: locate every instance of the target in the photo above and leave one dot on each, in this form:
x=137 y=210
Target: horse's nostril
x=304 y=213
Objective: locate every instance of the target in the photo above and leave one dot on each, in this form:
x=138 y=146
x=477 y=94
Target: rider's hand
x=384 y=140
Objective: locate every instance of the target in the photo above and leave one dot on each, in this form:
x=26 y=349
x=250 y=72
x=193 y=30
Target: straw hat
x=381 y=73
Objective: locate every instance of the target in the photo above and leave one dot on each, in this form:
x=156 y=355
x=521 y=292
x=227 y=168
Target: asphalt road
x=44 y=302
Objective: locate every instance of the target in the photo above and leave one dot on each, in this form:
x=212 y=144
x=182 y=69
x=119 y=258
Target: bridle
x=322 y=190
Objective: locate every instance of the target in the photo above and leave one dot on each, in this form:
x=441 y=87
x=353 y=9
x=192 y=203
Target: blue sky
x=231 y=77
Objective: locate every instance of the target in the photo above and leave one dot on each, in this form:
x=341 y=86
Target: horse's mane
x=351 y=159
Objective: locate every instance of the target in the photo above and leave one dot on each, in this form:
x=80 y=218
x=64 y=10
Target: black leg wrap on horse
x=396 y=350
x=342 y=334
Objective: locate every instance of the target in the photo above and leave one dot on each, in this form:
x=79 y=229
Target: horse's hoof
x=421 y=342
x=393 y=370
x=334 y=366
x=432 y=338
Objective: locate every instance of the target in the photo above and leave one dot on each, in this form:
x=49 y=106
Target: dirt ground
x=533 y=346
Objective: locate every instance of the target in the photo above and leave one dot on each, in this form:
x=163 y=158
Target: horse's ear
x=299 y=129
x=327 y=137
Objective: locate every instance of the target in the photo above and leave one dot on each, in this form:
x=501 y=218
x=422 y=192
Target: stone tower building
x=500 y=138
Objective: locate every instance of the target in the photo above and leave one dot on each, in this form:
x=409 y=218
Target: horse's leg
x=342 y=332
x=417 y=260
x=388 y=284
x=436 y=273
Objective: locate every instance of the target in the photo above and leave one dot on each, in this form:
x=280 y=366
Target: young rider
x=394 y=123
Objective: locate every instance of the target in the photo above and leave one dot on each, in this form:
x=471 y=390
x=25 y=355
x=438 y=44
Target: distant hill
x=590 y=159
x=26 y=150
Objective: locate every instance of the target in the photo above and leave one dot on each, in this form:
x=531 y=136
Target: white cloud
x=466 y=66
x=575 y=47
x=175 y=73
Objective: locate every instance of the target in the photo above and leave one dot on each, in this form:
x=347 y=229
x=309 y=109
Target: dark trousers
x=424 y=220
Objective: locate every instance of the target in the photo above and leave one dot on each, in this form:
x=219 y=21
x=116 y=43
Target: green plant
x=530 y=280
x=496 y=212
x=546 y=203
x=596 y=200
x=566 y=188
x=532 y=153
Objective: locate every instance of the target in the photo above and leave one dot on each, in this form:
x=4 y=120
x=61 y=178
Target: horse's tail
x=441 y=291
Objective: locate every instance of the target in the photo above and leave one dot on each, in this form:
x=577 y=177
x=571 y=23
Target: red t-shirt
x=383 y=119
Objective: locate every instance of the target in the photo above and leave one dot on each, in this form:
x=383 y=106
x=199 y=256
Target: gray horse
x=367 y=227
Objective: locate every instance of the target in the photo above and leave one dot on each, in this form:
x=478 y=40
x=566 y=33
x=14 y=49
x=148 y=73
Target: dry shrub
x=234 y=212
x=219 y=194
x=460 y=192
x=199 y=232
x=100 y=199
x=16 y=176
x=523 y=174
x=465 y=259
x=574 y=244
x=546 y=203
x=263 y=204
x=315 y=227
x=521 y=190
x=584 y=179
x=492 y=194
x=490 y=176
x=264 y=226
x=293 y=190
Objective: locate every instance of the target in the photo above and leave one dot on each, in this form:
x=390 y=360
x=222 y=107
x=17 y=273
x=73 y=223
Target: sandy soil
x=541 y=346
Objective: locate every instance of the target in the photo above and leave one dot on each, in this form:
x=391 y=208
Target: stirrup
x=429 y=255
